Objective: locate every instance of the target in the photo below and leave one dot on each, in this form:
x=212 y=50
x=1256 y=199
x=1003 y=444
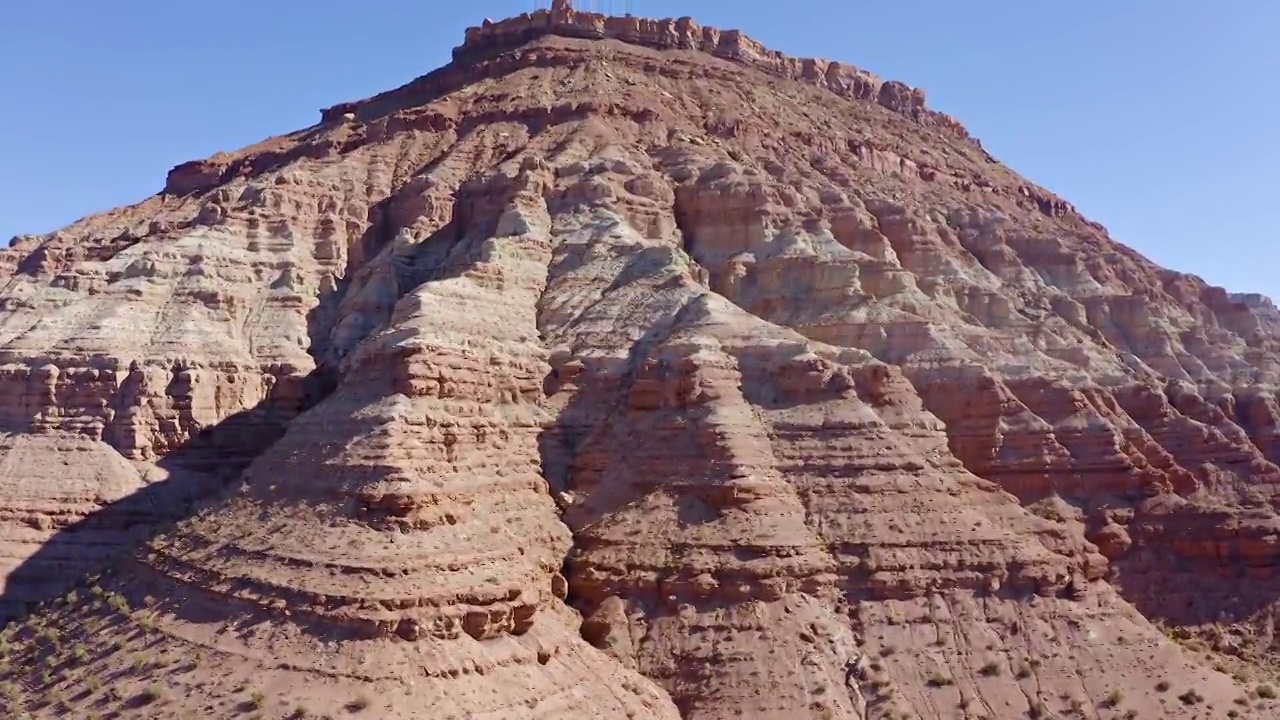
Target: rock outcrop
x=563 y=20
x=624 y=368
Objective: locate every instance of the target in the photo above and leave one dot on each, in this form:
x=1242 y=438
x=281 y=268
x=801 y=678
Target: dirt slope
x=625 y=368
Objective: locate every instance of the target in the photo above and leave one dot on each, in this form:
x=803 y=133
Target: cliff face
x=627 y=368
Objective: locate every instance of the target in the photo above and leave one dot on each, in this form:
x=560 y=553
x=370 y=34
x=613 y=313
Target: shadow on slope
x=208 y=471
x=201 y=474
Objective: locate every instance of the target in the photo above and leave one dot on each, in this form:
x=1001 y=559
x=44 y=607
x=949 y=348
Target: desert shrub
x=150 y=694
x=939 y=680
x=1191 y=697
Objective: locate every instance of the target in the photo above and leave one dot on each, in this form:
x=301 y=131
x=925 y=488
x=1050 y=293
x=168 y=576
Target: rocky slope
x=627 y=368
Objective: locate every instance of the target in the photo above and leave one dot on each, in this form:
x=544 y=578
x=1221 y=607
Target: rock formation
x=626 y=368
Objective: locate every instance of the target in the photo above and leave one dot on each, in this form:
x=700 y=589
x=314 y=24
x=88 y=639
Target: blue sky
x=1158 y=119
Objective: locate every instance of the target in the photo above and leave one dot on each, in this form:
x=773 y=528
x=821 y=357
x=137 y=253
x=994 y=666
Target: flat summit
x=625 y=368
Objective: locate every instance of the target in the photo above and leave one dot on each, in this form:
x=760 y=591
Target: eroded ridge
x=684 y=33
x=594 y=377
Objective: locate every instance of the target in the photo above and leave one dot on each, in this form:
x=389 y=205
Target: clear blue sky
x=1158 y=119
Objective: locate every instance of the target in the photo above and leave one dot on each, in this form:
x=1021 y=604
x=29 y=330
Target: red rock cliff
x=625 y=368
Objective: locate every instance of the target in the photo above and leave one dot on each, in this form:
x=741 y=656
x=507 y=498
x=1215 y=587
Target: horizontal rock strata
x=624 y=368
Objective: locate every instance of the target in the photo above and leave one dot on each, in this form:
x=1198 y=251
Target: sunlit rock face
x=625 y=368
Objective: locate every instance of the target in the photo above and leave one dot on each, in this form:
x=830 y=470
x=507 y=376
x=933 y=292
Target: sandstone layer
x=625 y=368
